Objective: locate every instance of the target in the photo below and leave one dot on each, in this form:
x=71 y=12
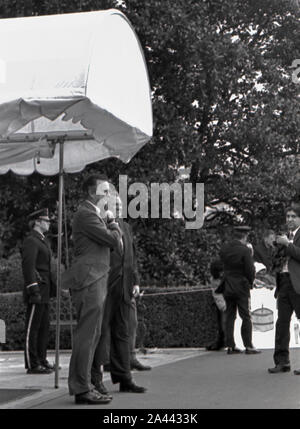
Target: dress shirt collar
x=39 y=234
x=98 y=211
x=294 y=232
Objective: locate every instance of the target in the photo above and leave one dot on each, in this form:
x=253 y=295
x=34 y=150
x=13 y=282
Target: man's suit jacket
x=123 y=273
x=92 y=244
x=264 y=255
x=36 y=265
x=293 y=251
x=239 y=270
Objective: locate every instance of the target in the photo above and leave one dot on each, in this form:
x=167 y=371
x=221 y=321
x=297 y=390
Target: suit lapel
x=122 y=250
x=92 y=209
x=41 y=238
x=127 y=240
x=297 y=236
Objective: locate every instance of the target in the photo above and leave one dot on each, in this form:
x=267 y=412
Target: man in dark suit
x=288 y=290
x=239 y=273
x=87 y=280
x=113 y=346
x=38 y=288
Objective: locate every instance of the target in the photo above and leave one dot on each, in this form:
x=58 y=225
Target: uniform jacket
x=36 y=265
x=92 y=243
x=123 y=273
x=293 y=251
x=239 y=270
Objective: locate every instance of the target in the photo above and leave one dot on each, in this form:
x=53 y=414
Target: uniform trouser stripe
x=28 y=335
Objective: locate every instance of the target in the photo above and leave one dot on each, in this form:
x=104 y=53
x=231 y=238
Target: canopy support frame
x=60 y=141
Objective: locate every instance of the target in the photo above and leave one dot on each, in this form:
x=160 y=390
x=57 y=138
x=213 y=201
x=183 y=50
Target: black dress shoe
x=39 y=370
x=50 y=366
x=279 y=368
x=139 y=366
x=297 y=372
x=100 y=388
x=252 y=351
x=91 y=398
x=233 y=351
x=131 y=387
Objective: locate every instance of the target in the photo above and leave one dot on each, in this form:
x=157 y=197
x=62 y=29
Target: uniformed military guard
x=38 y=286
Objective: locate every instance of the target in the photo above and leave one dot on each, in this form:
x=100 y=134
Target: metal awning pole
x=68 y=264
x=59 y=246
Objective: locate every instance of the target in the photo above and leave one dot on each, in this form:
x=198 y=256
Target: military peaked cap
x=242 y=228
x=40 y=214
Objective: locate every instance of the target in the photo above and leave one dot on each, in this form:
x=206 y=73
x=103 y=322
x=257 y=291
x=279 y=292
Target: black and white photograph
x=149 y=207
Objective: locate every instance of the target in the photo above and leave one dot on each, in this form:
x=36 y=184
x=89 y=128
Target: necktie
x=290 y=235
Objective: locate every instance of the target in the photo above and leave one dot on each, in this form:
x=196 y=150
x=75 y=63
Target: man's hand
x=136 y=291
x=114 y=226
x=35 y=298
x=283 y=240
x=34 y=295
x=109 y=216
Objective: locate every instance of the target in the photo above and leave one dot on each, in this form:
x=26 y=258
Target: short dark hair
x=267 y=233
x=294 y=207
x=91 y=182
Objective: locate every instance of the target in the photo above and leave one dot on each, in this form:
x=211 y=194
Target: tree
x=206 y=60
x=224 y=103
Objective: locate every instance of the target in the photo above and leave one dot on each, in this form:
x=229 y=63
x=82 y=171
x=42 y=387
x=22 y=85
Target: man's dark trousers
x=287 y=302
x=240 y=302
x=37 y=335
x=114 y=345
x=122 y=277
x=132 y=325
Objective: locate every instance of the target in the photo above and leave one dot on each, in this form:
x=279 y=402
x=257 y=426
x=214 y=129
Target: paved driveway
x=201 y=380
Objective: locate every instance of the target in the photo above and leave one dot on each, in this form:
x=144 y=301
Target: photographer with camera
x=287 y=289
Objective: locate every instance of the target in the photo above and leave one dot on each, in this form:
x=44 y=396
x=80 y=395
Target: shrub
x=187 y=319
x=11 y=276
x=172 y=320
x=169 y=254
x=12 y=311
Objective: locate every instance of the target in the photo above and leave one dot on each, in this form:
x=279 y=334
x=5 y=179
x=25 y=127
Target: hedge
x=11 y=277
x=170 y=320
x=165 y=320
x=177 y=317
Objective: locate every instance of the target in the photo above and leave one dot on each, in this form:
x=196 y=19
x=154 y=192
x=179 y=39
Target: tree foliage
x=224 y=106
